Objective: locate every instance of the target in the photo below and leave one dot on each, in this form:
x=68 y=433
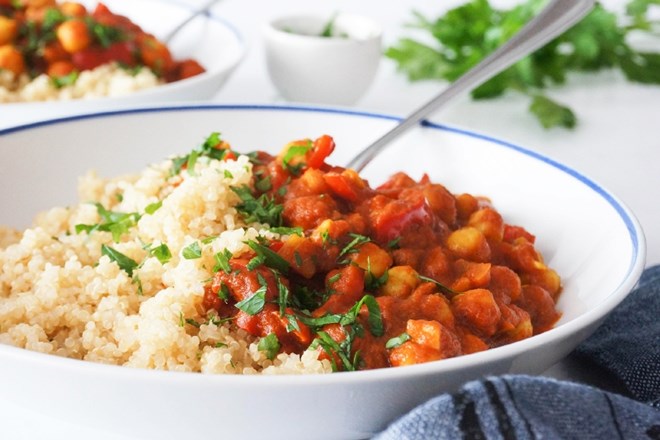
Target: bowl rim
x=230 y=64
x=274 y=28
x=509 y=351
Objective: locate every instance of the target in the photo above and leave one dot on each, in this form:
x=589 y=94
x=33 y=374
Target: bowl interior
x=344 y=27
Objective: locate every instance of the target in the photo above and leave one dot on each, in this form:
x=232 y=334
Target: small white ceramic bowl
x=209 y=39
x=307 y=67
x=585 y=233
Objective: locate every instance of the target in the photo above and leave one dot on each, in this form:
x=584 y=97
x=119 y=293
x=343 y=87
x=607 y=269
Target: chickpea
x=73 y=9
x=466 y=204
x=73 y=35
x=313 y=182
x=155 y=54
x=8 y=30
x=190 y=68
x=60 y=68
x=372 y=258
x=35 y=13
x=442 y=202
x=469 y=243
x=401 y=281
x=54 y=52
x=11 y=59
x=489 y=222
x=424 y=332
x=477 y=307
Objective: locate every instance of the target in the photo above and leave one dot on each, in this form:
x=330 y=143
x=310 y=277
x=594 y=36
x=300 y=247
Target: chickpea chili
x=62 y=39
x=400 y=274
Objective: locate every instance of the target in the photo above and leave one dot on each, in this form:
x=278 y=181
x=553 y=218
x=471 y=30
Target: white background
x=616 y=142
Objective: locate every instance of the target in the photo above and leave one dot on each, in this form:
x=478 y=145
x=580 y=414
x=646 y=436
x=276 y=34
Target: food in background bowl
x=225 y=263
x=51 y=51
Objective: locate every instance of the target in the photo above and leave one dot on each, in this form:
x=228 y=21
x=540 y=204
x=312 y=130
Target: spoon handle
x=554 y=19
x=204 y=8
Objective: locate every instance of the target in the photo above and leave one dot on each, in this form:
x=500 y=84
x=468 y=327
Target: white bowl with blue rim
x=209 y=38
x=585 y=232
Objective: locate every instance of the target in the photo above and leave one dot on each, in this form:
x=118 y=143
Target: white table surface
x=617 y=141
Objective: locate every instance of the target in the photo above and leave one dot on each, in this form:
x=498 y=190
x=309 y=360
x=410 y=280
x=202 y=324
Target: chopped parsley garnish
x=255 y=303
x=192 y=322
x=223 y=292
x=125 y=263
x=264 y=184
x=333 y=279
x=262 y=209
x=269 y=345
x=65 y=80
x=295 y=151
x=192 y=251
x=444 y=289
x=269 y=257
x=117 y=223
x=397 y=340
x=52 y=18
x=283 y=230
x=351 y=247
x=372 y=282
x=297 y=258
x=282 y=296
x=394 y=243
x=153 y=207
x=208 y=149
x=349 y=318
x=228 y=174
x=161 y=252
x=222 y=261
x=104 y=34
x=341 y=350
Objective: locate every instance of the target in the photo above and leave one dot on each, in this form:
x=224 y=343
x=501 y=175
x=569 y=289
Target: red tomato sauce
x=61 y=39
x=399 y=274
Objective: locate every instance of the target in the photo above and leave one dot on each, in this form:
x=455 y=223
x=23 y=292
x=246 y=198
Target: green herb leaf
x=65 y=80
x=222 y=260
x=153 y=207
x=283 y=230
x=269 y=257
x=192 y=251
x=262 y=209
x=354 y=244
x=162 y=253
x=269 y=345
x=552 y=114
x=125 y=263
x=464 y=35
x=444 y=289
x=397 y=340
x=255 y=303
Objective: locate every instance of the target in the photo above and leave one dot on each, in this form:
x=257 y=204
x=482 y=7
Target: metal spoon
x=203 y=9
x=555 y=18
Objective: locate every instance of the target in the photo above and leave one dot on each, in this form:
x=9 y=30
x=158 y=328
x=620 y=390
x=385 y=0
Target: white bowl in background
x=209 y=39
x=586 y=234
x=336 y=70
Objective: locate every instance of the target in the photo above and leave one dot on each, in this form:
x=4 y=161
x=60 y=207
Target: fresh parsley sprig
x=468 y=33
x=262 y=209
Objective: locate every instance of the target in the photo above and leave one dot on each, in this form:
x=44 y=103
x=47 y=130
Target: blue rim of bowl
x=635 y=266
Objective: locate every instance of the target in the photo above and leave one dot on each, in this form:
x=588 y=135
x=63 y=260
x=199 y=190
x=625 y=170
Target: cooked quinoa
x=59 y=294
x=108 y=80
